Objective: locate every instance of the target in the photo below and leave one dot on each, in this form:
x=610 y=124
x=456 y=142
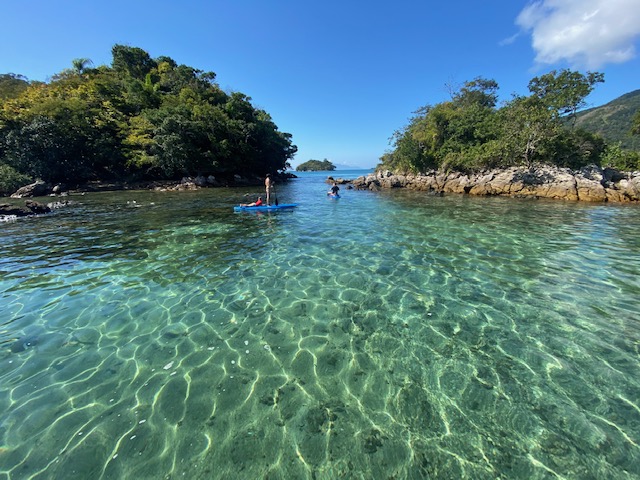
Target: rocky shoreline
x=589 y=184
x=42 y=189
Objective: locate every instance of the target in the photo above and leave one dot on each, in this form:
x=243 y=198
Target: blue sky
x=340 y=76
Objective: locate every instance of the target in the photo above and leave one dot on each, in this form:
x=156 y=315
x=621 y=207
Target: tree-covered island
x=471 y=132
x=316 y=166
x=140 y=118
x=530 y=146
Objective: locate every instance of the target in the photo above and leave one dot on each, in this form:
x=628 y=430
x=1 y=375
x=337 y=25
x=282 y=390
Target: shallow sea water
x=381 y=335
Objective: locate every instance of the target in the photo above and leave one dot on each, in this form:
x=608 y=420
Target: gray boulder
x=35 y=189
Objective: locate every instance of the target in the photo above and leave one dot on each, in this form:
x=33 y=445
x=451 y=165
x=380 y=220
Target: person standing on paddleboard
x=268 y=183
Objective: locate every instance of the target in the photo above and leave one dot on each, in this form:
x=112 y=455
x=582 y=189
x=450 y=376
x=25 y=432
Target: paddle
x=275 y=195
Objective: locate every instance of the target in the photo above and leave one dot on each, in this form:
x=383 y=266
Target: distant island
x=316 y=166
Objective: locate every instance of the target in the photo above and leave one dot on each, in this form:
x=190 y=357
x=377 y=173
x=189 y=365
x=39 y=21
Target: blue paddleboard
x=266 y=208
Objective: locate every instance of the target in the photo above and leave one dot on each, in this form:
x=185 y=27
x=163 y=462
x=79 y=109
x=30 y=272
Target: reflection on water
x=386 y=335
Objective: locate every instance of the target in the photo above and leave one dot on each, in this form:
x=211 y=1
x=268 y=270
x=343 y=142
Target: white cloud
x=509 y=40
x=585 y=33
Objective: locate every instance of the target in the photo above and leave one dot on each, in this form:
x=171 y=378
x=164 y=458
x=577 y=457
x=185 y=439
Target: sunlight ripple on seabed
x=417 y=349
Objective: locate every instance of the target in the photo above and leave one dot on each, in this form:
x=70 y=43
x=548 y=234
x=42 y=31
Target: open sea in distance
x=392 y=334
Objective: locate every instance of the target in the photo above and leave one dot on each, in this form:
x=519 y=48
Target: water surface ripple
x=382 y=335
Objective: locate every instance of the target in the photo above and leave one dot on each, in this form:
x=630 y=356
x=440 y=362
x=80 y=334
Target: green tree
x=408 y=154
x=617 y=157
x=528 y=129
x=480 y=91
x=80 y=65
x=131 y=61
x=11 y=180
x=451 y=134
x=564 y=92
x=46 y=149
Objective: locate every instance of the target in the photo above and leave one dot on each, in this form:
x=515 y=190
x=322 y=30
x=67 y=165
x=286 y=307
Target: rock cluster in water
x=30 y=208
x=591 y=184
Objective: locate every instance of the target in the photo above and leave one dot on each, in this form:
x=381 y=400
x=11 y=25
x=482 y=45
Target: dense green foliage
x=617 y=157
x=10 y=179
x=470 y=132
x=140 y=118
x=315 y=166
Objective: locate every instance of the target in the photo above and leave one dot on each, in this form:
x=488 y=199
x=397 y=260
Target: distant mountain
x=613 y=120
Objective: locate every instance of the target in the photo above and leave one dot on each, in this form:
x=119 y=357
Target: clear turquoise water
x=382 y=335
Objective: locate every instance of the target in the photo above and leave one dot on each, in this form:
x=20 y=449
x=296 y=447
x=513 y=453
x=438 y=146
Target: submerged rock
x=174 y=331
x=87 y=336
x=24 y=343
